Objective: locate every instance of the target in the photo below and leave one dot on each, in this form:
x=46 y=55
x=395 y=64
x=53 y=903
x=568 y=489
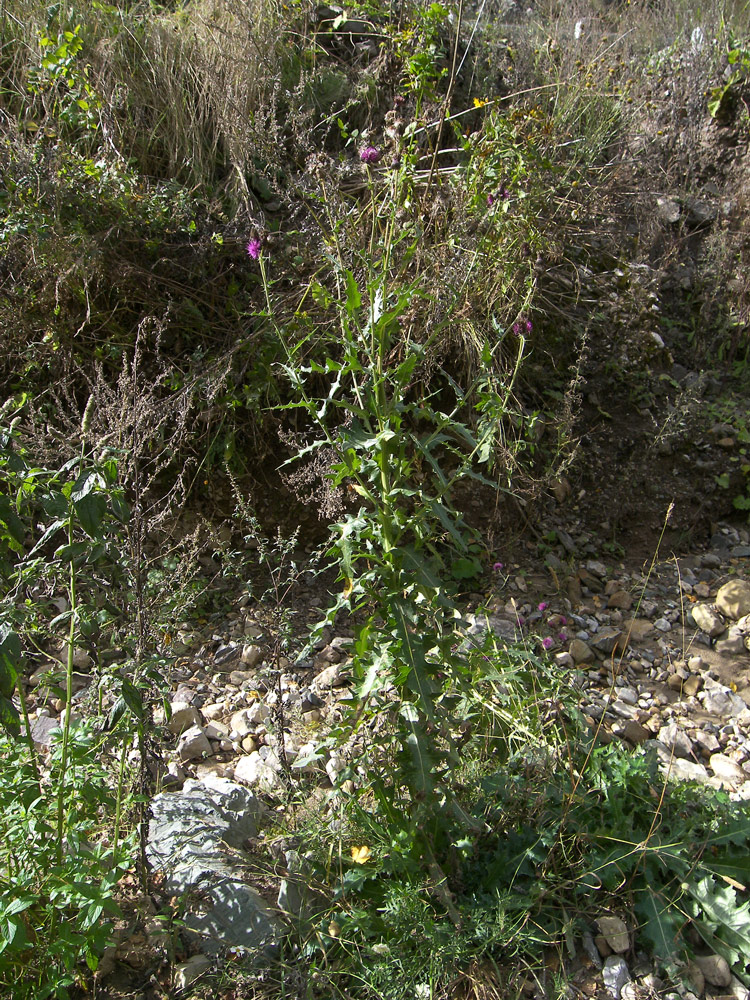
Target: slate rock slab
x=190 y=839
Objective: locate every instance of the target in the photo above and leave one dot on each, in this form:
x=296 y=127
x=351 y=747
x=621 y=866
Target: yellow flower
x=361 y=854
x=479 y=103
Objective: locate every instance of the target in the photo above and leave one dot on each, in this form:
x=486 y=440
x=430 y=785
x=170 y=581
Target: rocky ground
x=657 y=652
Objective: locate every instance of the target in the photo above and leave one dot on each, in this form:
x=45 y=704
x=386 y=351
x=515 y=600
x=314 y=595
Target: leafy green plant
x=57 y=530
x=722 y=99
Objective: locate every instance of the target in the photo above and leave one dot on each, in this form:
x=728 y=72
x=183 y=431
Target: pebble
x=715 y=969
x=193 y=744
x=615 y=974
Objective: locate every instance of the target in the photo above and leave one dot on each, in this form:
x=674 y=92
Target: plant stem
x=68 y=698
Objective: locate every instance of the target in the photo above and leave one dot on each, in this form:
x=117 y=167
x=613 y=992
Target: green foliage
x=58 y=900
x=59 y=530
x=723 y=99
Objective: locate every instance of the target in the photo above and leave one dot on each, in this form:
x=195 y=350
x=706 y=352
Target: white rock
x=615 y=932
x=183 y=717
x=331 y=677
x=615 y=974
x=214 y=711
x=193 y=744
x=334 y=767
x=725 y=767
x=733 y=599
x=253 y=770
x=707 y=619
x=675 y=739
x=251 y=655
x=187 y=972
x=715 y=969
x=687 y=770
x=216 y=730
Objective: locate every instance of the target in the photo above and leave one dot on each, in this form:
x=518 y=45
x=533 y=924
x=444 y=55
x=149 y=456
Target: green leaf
x=418 y=759
x=724 y=915
x=353 y=298
x=12 y=522
x=660 y=925
x=412 y=652
x=10 y=660
x=50 y=531
x=90 y=510
x=9 y=717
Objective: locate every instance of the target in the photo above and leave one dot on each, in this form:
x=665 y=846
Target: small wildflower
x=516 y=328
x=361 y=854
x=529 y=326
x=254 y=248
x=369 y=154
x=504 y=193
x=562 y=637
x=490 y=200
x=547 y=642
x=497 y=567
x=479 y=103
x=542 y=606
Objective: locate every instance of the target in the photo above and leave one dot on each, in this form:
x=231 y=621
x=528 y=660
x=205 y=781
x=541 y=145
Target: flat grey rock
x=190 y=839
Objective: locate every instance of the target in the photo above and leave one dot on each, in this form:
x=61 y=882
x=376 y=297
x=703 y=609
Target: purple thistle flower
x=529 y=326
x=490 y=200
x=562 y=637
x=548 y=643
x=369 y=154
x=497 y=567
x=254 y=248
x=516 y=328
x=543 y=606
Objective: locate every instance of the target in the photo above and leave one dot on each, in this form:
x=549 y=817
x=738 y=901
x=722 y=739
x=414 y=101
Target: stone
x=668 y=209
x=183 y=716
x=188 y=834
x=724 y=767
x=621 y=600
x=687 y=770
x=676 y=740
x=706 y=741
x=733 y=599
x=707 y=619
x=615 y=975
x=246 y=720
x=607 y=640
x=331 y=677
x=638 y=629
x=692 y=685
x=187 y=972
x=715 y=969
x=226 y=655
x=616 y=933
x=634 y=732
x=581 y=651
x=251 y=655
x=732 y=644
x=253 y=770
x=214 y=711
x=42 y=728
x=194 y=744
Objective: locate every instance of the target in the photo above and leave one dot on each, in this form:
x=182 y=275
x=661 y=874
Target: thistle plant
x=400 y=454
